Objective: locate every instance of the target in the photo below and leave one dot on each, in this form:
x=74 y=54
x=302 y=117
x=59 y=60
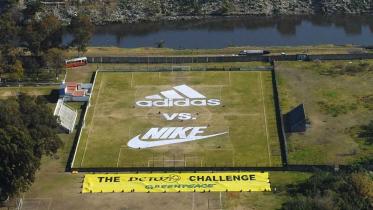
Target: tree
x=51 y=26
x=363 y=184
x=8 y=42
x=28 y=130
x=32 y=37
x=8 y=30
x=7 y=5
x=196 y=6
x=350 y=190
x=18 y=164
x=307 y=203
x=366 y=133
x=54 y=59
x=42 y=35
x=10 y=65
x=32 y=7
x=41 y=123
x=226 y=7
x=82 y=29
x=32 y=66
x=16 y=70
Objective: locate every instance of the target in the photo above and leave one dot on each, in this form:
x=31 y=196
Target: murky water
x=223 y=32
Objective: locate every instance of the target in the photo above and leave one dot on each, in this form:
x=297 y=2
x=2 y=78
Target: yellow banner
x=177 y=182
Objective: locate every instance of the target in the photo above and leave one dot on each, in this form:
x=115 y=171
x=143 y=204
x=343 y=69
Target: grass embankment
x=36 y=91
x=116 y=51
x=266 y=200
x=338 y=100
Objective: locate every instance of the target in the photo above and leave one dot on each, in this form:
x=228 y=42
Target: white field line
x=131 y=79
x=193 y=201
x=50 y=203
x=84 y=116
x=129 y=131
x=135 y=94
x=229 y=76
x=221 y=203
x=64 y=79
x=120 y=149
x=233 y=161
x=220 y=91
x=92 y=123
x=176 y=160
x=165 y=161
x=39 y=201
x=235 y=114
x=265 y=119
x=220 y=149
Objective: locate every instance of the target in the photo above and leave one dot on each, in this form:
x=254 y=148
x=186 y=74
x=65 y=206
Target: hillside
x=128 y=11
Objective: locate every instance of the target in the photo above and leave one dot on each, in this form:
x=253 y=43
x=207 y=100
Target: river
x=238 y=31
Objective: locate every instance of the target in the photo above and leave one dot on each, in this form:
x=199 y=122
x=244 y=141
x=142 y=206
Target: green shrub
x=336 y=109
x=350 y=190
x=350 y=69
x=366 y=101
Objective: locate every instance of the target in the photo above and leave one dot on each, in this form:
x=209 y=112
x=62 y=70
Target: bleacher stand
x=67 y=116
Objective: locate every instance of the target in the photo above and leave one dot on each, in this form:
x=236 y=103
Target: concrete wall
x=169 y=59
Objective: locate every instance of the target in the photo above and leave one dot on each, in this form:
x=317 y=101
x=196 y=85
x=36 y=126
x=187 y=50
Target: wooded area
x=28 y=130
x=31 y=45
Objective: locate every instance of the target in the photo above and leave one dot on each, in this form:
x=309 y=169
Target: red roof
x=73 y=88
x=70 y=84
x=79 y=93
x=70 y=89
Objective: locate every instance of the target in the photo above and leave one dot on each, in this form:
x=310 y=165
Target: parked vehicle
x=253 y=52
x=75 y=62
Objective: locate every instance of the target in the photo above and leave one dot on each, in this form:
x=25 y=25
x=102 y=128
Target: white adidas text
x=180 y=102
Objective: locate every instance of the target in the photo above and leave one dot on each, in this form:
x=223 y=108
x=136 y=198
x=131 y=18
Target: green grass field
x=337 y=96
x=246 y=113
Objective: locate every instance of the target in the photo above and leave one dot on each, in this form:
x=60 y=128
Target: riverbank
x=116 y=51
x=131 y=11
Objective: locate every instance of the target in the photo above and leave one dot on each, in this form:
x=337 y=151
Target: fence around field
x=81 y=126
x=174 y=68
x=299 y=168
x=175 y=59
x=28 y=84
x=185 y=166
x=227 y=58
x=279 y=118
x=285 y=166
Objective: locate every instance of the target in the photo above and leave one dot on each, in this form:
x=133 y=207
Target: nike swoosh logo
x=137 y=143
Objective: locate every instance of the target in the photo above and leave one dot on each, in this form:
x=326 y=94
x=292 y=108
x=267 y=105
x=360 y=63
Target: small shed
x=73 y=91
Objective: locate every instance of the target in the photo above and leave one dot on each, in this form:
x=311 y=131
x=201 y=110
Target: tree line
x=350 y=189
x=30 y=46
x=26 y=32
x=28 y=130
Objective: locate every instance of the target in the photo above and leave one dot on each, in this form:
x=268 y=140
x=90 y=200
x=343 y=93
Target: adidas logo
x=181 y=95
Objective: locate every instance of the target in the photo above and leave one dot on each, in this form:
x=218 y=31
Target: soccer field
x=180 y=119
